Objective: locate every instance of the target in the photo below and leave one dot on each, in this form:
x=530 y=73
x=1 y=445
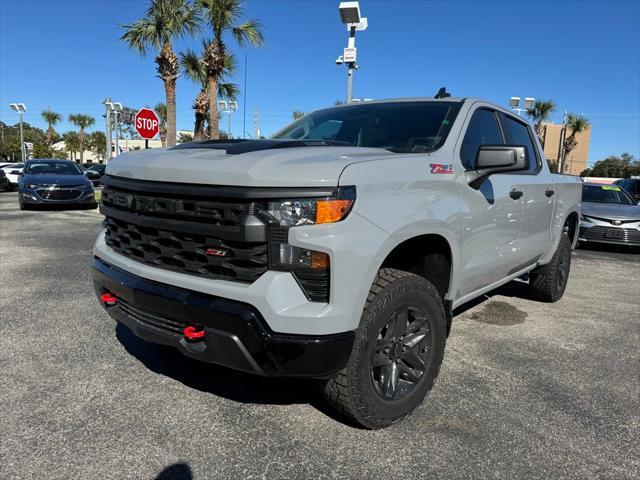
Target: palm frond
x=249 y=33
x=164 y=21
x=228 y=91
x=577 y=123
x=193 y=66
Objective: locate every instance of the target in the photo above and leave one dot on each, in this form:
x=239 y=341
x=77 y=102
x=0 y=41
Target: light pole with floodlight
x=514 y=103
x=228 y=107
x=112 y=108
x=350 y=16
x=20 y=108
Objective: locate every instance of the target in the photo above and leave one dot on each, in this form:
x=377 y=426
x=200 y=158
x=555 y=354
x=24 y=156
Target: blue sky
x=585 y=55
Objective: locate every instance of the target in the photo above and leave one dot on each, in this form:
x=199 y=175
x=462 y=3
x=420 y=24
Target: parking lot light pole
x=350 y=16
x=514 y=103
x=108 y=105
x=229 y=108
x=20 y=108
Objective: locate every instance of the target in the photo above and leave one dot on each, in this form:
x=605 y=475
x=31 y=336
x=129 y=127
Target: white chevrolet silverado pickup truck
x=339 y=248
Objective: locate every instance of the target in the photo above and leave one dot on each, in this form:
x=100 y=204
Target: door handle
x=548 y=192
x=516 y=194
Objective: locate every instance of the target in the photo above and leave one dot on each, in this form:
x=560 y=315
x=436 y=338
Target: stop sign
x=146 y=123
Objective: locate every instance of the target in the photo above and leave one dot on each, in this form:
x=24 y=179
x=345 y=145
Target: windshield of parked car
x=55 y=168
x=401 y=127
x=605 y=194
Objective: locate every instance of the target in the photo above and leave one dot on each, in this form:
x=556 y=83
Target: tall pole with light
x=20 y=108
x=514 y=103
x=112 y=108
x=228 y=107
x=350 y=16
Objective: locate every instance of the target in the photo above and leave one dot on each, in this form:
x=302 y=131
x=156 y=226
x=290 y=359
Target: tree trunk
x=214 y=130
x=200 y=107
x=170 y=91
x=198 y=127
x=81 y=147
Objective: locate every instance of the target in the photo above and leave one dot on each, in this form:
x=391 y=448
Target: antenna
x=442 y=93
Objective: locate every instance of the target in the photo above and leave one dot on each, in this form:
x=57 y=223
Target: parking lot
x=527 y=390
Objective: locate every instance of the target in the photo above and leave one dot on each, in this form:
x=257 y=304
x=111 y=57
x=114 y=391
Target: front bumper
x=236 y=335
x=32 y=197
x=601 y=232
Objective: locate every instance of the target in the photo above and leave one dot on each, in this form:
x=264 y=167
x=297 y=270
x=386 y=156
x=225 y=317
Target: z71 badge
x=441 y=168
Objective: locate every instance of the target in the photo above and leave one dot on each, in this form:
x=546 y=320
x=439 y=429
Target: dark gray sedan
x=59 y=182
x=609 y=215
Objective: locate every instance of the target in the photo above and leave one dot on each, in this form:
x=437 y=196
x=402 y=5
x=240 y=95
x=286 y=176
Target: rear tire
x=548 y=282
x=397 y=352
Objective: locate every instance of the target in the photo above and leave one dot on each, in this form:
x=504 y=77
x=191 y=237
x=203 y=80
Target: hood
x=277 y=167
x=611 y=211
x=52 y=179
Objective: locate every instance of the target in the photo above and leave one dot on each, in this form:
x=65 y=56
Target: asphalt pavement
x=527 y=390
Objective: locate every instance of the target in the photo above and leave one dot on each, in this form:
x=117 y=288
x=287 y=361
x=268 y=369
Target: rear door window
x=517 y=133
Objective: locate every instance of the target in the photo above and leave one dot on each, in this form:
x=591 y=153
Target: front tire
x=548 y=282
x=397 y=351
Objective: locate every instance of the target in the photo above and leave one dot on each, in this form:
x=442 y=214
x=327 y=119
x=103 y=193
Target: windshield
x=605 y=194
x=56 y=168
x=401 y=127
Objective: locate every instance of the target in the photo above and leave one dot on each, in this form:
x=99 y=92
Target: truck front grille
x=187 y=233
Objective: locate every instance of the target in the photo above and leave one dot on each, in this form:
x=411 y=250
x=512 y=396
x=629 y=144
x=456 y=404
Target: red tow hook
x=108 y=299
x=193 y=333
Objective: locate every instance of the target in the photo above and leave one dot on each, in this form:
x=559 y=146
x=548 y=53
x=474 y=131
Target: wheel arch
x=431 y=256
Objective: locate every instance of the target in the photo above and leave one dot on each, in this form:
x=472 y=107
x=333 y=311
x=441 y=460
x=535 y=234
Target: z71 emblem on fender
x=441 y=168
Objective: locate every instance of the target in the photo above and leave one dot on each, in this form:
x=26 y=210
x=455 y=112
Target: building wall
x=576 y=161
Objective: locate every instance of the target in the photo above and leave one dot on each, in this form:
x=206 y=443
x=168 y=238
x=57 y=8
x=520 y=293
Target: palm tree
x=297 y=114
x=161 y=110
x=164 y=22
x=575 y=124
x=221 y=17
x=195 y=69
x=72 y=143
x=540 y=112
x=82 y=122
x=51 y=118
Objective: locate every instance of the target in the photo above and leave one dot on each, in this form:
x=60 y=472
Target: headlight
x=310 y=268
x=307 y=211
x=585 y=218
x=86 y=187
x=35 y=185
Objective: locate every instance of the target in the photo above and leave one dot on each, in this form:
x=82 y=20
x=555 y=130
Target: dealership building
x=577 y=161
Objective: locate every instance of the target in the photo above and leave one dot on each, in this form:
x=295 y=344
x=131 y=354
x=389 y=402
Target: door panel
x=491 y=225
x=489 y=247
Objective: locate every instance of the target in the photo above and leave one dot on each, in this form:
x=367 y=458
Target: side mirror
x=492 y=159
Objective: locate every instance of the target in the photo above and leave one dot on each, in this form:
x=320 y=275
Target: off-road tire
x=351 y=391
x=548 y=282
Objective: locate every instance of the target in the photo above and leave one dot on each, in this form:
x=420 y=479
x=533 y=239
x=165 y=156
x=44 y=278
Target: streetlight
x=514 y=103
x=115 y=108
x=20 y=108
x=229 y=108
x=350 y=16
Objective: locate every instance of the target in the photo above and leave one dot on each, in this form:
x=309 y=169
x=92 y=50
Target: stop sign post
x=146 y=123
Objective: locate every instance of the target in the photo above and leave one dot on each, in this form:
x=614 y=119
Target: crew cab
x=337 y=249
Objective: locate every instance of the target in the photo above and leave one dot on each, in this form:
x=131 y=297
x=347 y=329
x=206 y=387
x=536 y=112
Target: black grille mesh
x=187 y=253
x=59 y=194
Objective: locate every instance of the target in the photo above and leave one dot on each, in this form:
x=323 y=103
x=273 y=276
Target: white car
x=13 y=177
